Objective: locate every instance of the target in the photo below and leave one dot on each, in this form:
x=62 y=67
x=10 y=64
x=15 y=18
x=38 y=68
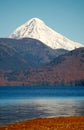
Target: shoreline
x=53 y=123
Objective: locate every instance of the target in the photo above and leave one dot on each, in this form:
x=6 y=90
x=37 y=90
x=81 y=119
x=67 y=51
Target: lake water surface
x=21 y=103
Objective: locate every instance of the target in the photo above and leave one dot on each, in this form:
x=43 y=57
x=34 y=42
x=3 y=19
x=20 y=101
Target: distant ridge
x=65 y=70
x=25 y=53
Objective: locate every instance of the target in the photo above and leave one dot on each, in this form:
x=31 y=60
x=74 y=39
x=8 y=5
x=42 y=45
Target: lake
x=22 y=103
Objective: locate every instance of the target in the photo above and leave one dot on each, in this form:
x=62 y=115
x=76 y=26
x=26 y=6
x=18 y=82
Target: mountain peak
x=33 y=23
x=35 y=20
x=37 y=29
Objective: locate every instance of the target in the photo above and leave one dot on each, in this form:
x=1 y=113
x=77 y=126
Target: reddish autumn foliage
x=60 y=123
x=65 y=70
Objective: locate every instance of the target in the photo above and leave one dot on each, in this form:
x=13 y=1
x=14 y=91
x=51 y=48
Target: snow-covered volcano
x=37 y=29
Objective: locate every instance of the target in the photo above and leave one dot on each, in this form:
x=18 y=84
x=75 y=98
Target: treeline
x=61 y=83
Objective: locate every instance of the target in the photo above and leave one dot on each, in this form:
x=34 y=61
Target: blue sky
x=64 y=16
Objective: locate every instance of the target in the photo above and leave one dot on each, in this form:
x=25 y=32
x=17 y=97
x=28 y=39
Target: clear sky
x=64 y=16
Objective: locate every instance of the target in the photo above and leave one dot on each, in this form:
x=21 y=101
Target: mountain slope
x=37 y=29
x=10 y=59
x=65 y=70
x=25 y=53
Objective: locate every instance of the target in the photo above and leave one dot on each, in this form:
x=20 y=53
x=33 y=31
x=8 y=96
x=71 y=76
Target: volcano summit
x=37 y=29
